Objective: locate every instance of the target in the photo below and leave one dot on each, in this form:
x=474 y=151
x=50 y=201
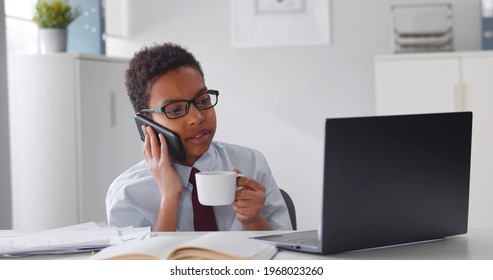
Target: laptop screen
x=395 y=179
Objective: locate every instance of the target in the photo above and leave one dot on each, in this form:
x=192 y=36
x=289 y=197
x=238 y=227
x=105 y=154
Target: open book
x=209 y=246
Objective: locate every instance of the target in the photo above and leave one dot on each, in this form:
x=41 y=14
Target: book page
x=229 y=244
x=153 y=248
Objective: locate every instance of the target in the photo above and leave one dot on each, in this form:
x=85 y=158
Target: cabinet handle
x=462 y=97
x=112 y=109
x=466 y=97
x=459 y=98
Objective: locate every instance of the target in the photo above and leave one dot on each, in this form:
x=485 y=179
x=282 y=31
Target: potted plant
x=53 y=19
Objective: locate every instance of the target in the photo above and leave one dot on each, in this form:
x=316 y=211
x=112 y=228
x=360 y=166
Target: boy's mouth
x=199 y=137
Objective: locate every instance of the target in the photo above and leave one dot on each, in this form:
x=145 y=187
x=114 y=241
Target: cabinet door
x=478 y=83
x=416 y=86
x=109 y=141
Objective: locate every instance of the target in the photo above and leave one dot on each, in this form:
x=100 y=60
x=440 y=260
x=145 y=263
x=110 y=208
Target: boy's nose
x=195 y=115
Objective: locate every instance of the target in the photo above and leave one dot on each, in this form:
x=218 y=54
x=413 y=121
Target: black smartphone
x=175 y=147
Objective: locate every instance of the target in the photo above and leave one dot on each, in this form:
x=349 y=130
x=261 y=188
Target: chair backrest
x=291 y=208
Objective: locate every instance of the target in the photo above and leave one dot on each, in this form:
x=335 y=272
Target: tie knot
x=191 y=179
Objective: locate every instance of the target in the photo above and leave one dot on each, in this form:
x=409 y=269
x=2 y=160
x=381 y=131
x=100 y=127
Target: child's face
x=197 y=127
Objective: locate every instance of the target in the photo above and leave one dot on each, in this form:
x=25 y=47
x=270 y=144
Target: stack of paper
x=422 y=27
x=78 y=238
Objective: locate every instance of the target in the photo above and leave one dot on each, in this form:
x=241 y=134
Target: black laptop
x=390 y=180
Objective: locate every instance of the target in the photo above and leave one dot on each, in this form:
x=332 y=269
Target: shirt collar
x=205 y=163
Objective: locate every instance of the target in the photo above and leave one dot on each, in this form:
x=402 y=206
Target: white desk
x=477 y=244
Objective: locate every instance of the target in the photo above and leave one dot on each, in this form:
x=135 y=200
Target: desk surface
x=477 y=244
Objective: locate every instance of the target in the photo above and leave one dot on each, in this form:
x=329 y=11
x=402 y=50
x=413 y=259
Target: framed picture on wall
x=262 y=23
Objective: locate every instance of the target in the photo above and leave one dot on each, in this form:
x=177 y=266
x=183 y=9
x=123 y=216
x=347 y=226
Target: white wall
x=5 y=194
x=276 y=99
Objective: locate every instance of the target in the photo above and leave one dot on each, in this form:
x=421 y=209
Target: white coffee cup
x=216 y=187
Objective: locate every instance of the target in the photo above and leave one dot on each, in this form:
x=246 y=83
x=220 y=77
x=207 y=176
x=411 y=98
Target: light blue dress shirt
x=133 y=199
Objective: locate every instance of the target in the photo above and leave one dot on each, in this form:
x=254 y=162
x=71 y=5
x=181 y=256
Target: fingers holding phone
x=153 y=149
x=172 y=139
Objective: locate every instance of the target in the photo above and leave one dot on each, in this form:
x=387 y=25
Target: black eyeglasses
x=180 y=108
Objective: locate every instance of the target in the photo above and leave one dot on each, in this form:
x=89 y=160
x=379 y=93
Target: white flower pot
x=52 y=40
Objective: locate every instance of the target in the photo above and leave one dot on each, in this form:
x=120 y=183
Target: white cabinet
x=445 y=82
x=416 y=85
x=72 y=132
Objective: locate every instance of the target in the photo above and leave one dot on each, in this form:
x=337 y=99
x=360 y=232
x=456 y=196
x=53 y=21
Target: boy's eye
x=203 y=100
x=176 y=109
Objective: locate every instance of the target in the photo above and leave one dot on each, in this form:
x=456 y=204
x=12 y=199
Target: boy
x=166 y=83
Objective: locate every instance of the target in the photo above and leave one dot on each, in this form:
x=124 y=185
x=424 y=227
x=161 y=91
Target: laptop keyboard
x=306 y=238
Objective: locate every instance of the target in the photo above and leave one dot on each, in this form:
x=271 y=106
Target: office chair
x=291 y=209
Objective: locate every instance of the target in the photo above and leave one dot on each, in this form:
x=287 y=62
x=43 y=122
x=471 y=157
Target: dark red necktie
x=203 y=216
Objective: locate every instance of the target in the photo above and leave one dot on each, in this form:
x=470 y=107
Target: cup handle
x=239 y=175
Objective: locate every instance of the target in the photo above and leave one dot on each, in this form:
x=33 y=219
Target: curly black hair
x=149 y=64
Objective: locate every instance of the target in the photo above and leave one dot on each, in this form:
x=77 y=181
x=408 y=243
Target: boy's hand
x=159 y=164
x=168 y=181
x=248 y=203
